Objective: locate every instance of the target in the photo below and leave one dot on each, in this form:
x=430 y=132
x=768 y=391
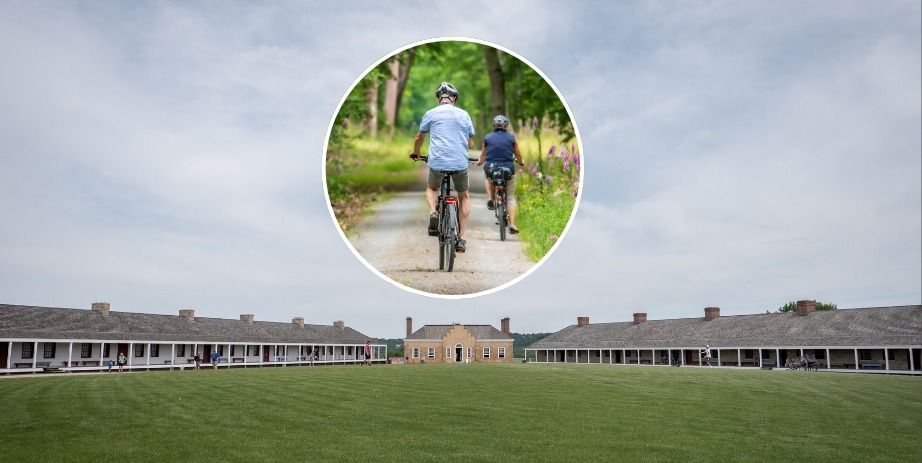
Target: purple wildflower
x=551 y=151
x=534 y=122
x=576 y=159
x=575 y=190
x=548 y=179
x=566 y=162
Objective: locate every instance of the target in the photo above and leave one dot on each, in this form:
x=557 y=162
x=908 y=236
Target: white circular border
x=509 y=283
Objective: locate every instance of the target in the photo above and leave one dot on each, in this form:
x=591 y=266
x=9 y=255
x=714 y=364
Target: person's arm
x=518 y=154
x=417 y=144
x=483 y=154
x=470 y=142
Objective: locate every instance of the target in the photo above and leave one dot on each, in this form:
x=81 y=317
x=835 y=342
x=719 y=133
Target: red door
x=265 y=353
x=206 y=353
x=3 y=353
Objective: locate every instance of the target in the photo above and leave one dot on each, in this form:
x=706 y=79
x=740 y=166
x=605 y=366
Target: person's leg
x=511 y=204
x=464 y=199
x=432 y=197
x=491 y=195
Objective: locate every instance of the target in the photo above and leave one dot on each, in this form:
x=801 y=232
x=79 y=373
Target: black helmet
x=500 y=122
x=445 y=90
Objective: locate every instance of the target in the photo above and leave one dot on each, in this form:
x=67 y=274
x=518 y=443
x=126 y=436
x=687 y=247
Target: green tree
x=820 y=307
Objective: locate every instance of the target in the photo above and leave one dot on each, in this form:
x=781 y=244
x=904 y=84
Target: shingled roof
x=29 y=322
x=480 y=332
x=875 y=326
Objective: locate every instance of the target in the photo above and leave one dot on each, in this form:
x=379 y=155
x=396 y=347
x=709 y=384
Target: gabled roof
x=439 y=332
x=876 y=326
x=19 y=321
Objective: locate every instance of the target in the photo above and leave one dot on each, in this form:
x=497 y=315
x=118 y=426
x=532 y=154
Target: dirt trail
x=394 y=241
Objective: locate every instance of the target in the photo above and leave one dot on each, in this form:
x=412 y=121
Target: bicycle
x=499 y=176
x=449 y=229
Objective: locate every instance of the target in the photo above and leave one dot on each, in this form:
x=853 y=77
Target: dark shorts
x=458 y=180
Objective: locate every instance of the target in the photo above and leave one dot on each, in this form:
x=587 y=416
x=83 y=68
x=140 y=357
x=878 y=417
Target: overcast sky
x=738 y=154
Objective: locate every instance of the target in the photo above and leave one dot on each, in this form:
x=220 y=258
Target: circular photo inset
x=452 y=168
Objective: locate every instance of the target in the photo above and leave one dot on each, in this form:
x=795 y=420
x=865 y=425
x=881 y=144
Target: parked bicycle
x=449 y=229
x=804 y=362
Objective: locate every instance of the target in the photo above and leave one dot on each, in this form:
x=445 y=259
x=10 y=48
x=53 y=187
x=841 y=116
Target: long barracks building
x=38 y=338
x=877 y=339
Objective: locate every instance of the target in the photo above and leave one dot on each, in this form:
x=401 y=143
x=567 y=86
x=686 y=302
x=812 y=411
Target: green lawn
x=465 y=413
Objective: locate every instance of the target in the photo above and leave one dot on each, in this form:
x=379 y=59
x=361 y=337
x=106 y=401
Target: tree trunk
x=390 y=94
x=497 y=82
x=403 y=75
x=371 y=99
x=398 y=71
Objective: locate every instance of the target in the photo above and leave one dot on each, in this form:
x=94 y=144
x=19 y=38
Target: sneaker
x=433 y=224
x=460 y=245
x=513 y=229
x=490 y=205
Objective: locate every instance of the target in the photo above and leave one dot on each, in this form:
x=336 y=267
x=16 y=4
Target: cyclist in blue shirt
x=451 y=134
x=500 y=150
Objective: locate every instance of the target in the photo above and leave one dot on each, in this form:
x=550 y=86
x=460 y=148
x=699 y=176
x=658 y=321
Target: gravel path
x=394 y=240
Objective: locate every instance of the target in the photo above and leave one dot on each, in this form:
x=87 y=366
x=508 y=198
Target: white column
x=653 y=359
x=130 y=353
x=777 y=358
x=70 y=354
x=682 y=353
x=638 y=356
x=856 y=358
x=718 y=358
x=886 y=359
x=9 y=355
x=828 y=360
x=148 y=354
x=669 y=356
x=102 y=349
x=760 y=358
x=801 y=351
x=34 y=353
x=172 y=354
x=739 y=358
x=912 y=363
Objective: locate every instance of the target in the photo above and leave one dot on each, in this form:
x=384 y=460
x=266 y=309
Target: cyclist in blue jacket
x=500 y=150
x=451 y=134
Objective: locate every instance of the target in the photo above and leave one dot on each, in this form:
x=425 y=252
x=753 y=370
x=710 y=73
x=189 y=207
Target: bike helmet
x=500 y=122
x=446 y=90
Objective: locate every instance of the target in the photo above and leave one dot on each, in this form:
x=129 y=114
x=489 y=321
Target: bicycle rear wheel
x=501 y=216
x=451 y=240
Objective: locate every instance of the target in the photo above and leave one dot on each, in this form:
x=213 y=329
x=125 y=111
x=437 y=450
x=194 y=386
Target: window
x=86 y=350
x=139 y=350
x=232 y=350
x=468 y=352
x=416 y=352
x=864 y=354
x=486 y=352
x=447 y=353
x=155 y=350
x=181 y=350
x=748 y=354
x=430 y=353
x=501 y=352
x=49 y=349
x=27 y=350
x=105 y=350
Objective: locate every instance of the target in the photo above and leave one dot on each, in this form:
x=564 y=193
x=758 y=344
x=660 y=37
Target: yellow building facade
x=458 y=343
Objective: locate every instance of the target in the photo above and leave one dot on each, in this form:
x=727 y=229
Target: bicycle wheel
x=501 y=216
x=451 y=240
x=441 y=254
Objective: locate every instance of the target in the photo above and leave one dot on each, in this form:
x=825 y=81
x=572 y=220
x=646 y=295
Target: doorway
x=206 y=353
x=3 y=353
x=266 y=354
x=459 y=353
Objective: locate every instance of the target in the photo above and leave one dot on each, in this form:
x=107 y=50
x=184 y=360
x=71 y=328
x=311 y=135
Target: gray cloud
x=739 y=155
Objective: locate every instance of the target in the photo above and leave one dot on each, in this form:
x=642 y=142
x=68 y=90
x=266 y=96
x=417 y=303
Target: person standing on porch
x=707 y=354
x=215 y=357
x=198 y=360
x=368 y=353
x=122 y=360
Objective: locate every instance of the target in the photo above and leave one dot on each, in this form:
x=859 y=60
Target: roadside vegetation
x=463 y=413
x=374 y=129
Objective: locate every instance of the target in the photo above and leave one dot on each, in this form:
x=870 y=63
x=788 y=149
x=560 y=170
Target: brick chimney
x=101 y=307
x=246 y=317
x=582 y=321
x=188 y=314
x=711 y=313
x=409 y=326
x=805 y=307
x=505 y=325
x=300 y=321
x=640 y=317
x=338 y=323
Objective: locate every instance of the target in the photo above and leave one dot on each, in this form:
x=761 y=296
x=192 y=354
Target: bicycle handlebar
x=426 y=158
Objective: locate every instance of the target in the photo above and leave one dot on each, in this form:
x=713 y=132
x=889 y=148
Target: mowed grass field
x=463 y=413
